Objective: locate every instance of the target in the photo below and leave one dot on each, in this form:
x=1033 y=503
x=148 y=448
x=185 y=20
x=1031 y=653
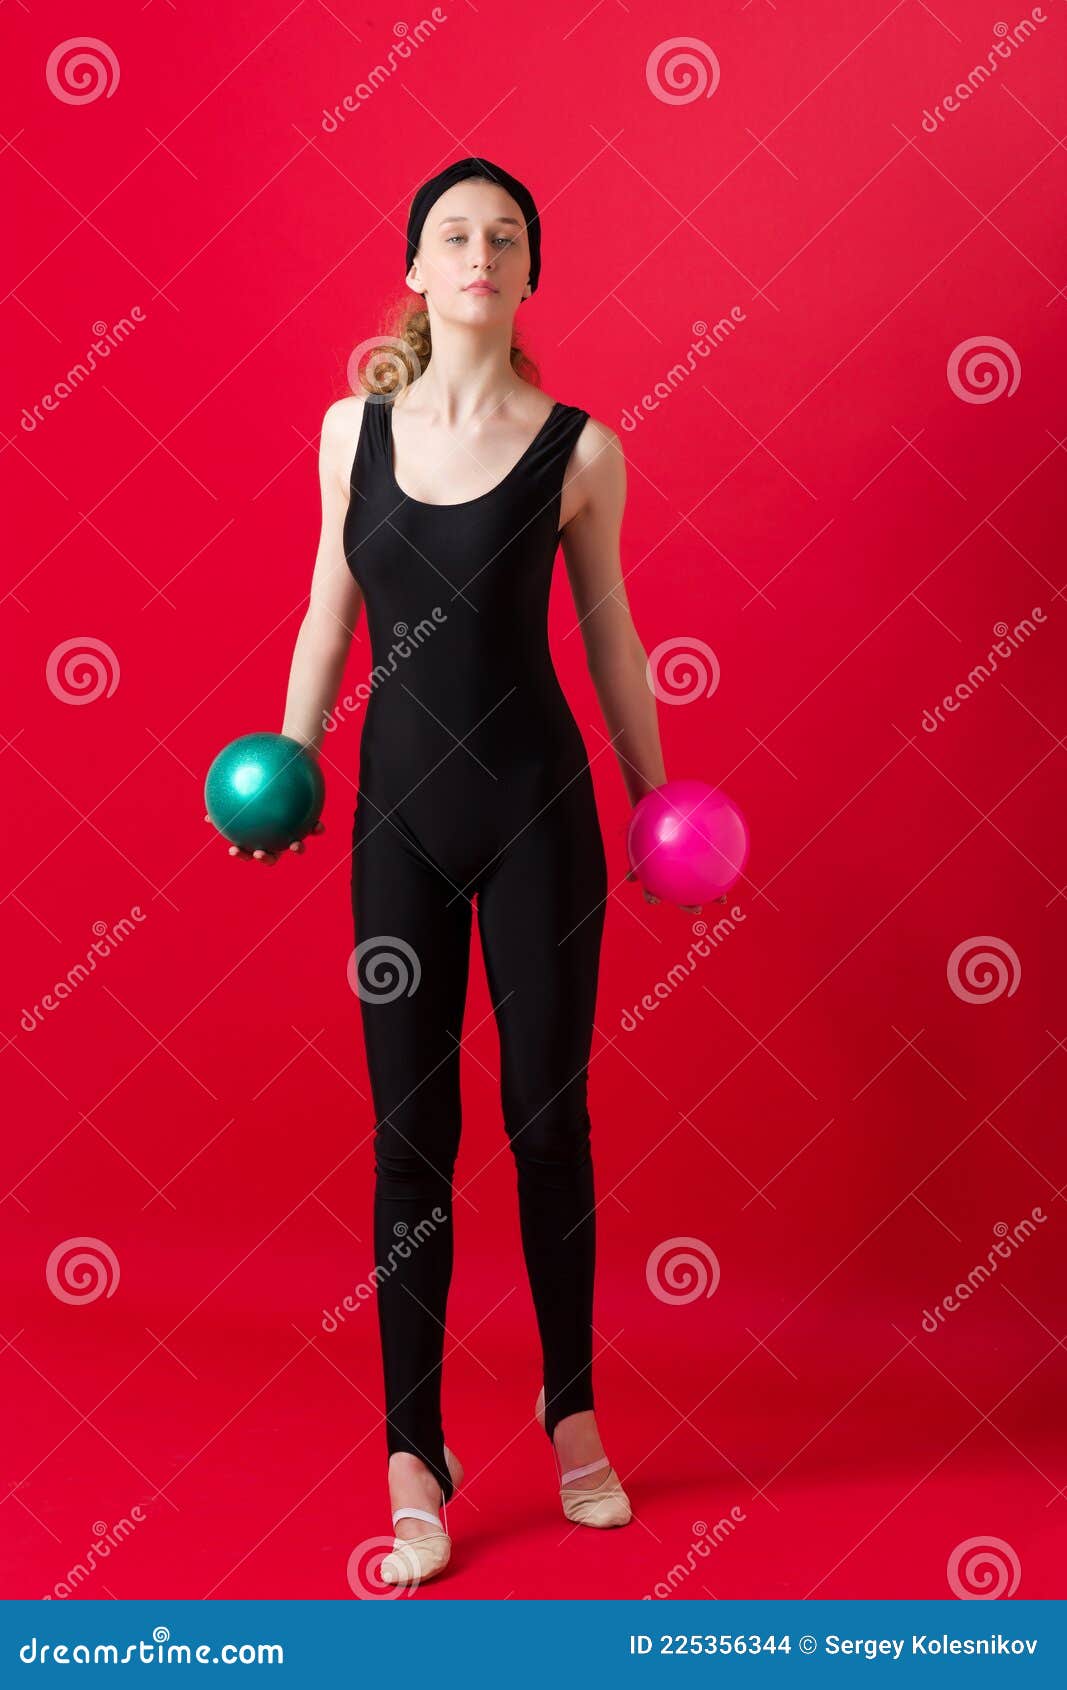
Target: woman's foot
x=412 y=1485
x=591 y=1491
x=576 y=1442
x=421 y=1544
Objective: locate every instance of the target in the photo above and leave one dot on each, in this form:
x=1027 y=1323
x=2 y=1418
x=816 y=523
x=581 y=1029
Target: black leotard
x=473 y=782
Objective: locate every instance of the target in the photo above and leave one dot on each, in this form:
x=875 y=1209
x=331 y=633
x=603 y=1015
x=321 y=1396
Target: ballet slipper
x=602 y=1504
x=413 y=1560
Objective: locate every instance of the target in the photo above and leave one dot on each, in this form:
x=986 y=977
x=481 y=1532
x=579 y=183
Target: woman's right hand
x=650 y=897
x=269 y=857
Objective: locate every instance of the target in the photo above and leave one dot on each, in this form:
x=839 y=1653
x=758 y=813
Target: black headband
x=459 y=172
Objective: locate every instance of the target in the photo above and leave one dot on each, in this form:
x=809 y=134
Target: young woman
x=444 y=504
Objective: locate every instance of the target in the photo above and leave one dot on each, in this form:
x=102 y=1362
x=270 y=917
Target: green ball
x=263 y=791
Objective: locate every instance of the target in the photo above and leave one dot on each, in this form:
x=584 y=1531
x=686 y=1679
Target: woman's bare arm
x=335 y=601
x=613 y=649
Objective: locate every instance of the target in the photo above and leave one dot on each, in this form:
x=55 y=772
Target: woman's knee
x=408 y=1164
x=552 y=1137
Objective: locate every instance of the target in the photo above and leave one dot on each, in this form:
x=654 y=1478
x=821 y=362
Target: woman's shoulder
x=343 y=413
x=596 y=439
x=595 y=427
x=341 y=428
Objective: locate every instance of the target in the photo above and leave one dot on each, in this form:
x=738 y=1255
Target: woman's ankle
x=576 y=1439
x=407 y=1471
x=412 y=1483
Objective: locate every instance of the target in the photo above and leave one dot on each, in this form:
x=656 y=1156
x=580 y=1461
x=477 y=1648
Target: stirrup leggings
x=540 y=919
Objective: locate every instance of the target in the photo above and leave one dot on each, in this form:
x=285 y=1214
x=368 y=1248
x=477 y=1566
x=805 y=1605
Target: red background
x=815 y=1104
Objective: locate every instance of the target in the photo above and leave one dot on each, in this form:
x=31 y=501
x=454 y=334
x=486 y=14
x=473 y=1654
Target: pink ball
x=687 y=842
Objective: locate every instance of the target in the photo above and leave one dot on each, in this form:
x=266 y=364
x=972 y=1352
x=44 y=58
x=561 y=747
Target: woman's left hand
x=650 y=897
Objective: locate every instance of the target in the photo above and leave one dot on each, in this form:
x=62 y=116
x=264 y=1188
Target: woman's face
x=474 y=233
